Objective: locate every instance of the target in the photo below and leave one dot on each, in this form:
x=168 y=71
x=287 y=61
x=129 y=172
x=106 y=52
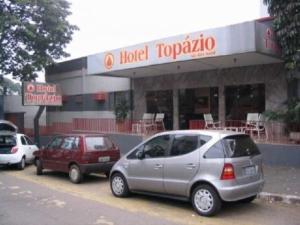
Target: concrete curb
x=271 y=197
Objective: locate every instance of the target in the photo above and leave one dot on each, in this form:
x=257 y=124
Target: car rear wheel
x=39 y=167
x=75 y=174
x=118 y=185
x=21 y=164
x=206 y=200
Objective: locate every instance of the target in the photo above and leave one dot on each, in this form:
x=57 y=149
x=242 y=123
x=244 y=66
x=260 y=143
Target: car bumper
x=96 y=167
x=238 y=192
x=9 y=159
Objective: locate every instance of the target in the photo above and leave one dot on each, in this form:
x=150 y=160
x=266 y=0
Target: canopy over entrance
x=245 y=44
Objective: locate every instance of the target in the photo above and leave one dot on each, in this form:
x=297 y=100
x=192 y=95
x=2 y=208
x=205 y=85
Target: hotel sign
x=43 y=94
x=230 y=40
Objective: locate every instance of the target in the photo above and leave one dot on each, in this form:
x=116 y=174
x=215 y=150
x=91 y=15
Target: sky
x=111 y=24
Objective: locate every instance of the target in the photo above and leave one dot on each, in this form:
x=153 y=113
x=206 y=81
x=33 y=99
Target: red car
x=78 y=154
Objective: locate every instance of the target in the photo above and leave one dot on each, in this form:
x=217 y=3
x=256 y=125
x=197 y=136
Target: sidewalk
x=281 y=184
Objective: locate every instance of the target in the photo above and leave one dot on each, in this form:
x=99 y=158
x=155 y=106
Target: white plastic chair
x=256 y=124
x=145 y=125
x=209 y=122
x=159 y=121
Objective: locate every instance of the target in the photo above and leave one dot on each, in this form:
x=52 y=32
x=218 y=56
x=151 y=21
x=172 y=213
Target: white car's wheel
x=21 y=164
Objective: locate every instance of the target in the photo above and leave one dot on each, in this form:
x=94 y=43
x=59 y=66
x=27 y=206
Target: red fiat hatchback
x=78 y=155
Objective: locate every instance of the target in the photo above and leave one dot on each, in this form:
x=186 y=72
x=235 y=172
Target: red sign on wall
x=41 y=94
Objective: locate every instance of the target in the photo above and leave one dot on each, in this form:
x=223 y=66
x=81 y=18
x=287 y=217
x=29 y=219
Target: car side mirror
x=140 y=154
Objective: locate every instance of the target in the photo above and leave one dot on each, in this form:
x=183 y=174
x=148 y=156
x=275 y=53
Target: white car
x=15 y=148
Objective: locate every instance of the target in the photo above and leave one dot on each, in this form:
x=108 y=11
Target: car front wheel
x=75 y=174
x=206 y=200
x=119 y=185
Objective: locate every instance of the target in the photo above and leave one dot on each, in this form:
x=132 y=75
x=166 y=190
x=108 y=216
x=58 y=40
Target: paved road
x=51 y=199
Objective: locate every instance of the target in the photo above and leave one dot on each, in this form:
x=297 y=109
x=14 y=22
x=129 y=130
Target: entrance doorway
x=161 y=102
x=193 y=103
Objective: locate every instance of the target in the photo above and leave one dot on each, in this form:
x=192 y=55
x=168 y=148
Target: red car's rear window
x=98 y=143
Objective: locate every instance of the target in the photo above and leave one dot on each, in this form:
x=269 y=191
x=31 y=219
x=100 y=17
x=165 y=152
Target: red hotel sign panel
x=41 y=94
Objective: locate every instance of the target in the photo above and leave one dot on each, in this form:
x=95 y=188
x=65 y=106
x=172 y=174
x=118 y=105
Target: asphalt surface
x=282 y=180
x=52 y=199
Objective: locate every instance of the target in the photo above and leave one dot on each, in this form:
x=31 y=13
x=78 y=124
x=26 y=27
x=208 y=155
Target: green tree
x=8 y=87
x=33 y=34
x=286 y=25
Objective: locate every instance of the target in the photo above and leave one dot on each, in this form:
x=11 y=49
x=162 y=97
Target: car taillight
x=228 y=172
x=14 y=150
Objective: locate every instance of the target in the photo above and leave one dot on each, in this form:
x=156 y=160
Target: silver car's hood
x=7 y=126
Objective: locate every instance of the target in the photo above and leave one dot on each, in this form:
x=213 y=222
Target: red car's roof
x=80 y=134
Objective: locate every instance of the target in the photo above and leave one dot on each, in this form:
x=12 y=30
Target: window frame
x=58 y=147
x=23 y=138
x=180 y=134
x=138 y=148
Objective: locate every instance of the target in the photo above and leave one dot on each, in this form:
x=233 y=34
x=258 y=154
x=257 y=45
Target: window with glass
x=70 y=143
x=195 y=102
x=184 y=144
x=98 y=144
x=239 y=146
x=29 y=141
x=23 y=141
x=55 y=143
x=243 y=99
x=157 y=147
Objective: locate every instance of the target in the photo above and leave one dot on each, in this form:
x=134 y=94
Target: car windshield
x=239 y=146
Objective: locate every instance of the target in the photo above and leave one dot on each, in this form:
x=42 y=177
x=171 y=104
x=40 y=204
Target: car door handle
x=158 y=166
x=190 y=166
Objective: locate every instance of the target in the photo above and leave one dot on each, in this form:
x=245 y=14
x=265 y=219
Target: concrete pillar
x=222 y=104
x=175 y=110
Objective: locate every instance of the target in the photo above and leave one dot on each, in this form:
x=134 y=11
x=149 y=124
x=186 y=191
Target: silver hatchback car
x=205 y=167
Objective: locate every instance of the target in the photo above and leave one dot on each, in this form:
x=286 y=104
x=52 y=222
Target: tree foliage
x=33 y=33
x=286 y=25
x=8 y=87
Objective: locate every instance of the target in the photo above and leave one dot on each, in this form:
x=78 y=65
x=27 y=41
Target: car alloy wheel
x=206 y=200
x=119 y=186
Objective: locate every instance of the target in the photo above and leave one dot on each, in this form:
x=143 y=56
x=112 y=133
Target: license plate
x=104 y=159
x=250 y=170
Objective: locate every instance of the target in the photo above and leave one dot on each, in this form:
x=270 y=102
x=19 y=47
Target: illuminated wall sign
x=234 y=39
x=198 y=47
x=41 y=94
x=265 y=39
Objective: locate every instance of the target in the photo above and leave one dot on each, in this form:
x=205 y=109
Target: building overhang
x=244 y=44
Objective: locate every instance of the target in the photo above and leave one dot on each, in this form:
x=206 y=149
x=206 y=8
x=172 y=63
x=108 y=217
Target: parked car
x=201 y=166
x=78 y=155
x=15 y=148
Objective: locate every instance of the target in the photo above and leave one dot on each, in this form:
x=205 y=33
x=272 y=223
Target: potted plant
x=121 y=110
x=290 y=117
